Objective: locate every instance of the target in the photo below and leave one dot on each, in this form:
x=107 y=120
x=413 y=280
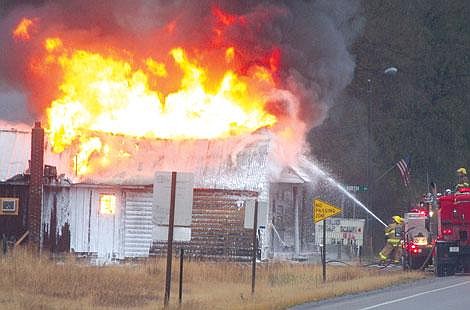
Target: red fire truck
x=452 y=246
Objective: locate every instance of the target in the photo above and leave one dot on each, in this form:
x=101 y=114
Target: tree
x=423 y=110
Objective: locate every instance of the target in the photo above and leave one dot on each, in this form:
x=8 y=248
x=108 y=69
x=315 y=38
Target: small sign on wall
x=249 y=214
x=9 y=206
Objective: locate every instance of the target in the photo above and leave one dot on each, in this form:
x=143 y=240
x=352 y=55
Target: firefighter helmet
x=462 y=170
x=397 y=219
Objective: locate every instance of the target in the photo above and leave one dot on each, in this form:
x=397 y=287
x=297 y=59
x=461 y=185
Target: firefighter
x=392 y=249
x=462 y=179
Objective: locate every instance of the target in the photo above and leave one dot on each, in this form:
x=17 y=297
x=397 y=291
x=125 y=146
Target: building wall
x=291 y=231
x=217 y=230
x=137 y=223
x=14 y=226
x=307 y=233
x=71 y=214
x=91 y=232
x=217 y=224
x=282 y=218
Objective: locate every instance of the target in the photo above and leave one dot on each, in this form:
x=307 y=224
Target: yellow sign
x=323 y=210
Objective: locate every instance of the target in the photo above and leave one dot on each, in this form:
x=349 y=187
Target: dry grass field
x=31 y=282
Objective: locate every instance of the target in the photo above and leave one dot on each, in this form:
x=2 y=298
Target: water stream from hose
x=308 y=164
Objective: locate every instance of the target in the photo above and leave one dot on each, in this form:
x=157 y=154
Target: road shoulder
x=345 y=298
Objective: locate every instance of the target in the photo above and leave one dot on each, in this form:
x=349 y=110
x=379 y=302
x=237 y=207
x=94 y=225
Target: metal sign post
x=180 y=292
x=321 y=211
x=255 y=248
x=171 y=223
x=323 y=259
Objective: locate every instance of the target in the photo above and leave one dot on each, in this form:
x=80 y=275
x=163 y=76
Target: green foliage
x=423 y=110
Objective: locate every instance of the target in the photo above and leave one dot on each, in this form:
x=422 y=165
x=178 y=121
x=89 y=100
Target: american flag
x=404 y=167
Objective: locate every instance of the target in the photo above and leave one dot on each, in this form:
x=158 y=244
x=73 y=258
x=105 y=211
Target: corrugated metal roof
x=235 y=163
x=293 y=176
x=244 y=163
x=15 y=151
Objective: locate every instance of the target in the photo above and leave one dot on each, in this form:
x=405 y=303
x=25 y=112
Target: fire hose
x=278 y=236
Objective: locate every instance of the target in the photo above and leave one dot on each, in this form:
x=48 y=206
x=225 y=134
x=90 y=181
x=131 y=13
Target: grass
x=32 y=282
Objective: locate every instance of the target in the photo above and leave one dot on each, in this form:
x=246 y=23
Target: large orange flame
x=105 y=94
x=116 y=92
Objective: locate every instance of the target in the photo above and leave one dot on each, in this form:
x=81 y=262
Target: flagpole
x=411 y=196
x=427 y=180
x=385 y=173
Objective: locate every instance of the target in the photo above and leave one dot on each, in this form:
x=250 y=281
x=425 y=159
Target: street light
x=389 y=71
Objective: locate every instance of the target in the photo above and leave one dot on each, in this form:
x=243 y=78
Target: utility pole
x=368 y=169
x=390 y=71
x=255 y=247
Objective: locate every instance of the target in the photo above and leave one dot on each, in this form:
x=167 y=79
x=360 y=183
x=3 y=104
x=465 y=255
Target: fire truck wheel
x=450 y=270
x=440 y=270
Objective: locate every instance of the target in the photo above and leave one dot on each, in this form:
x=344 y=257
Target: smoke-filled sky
x=313 y=36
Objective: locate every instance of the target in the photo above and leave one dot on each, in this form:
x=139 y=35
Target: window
x=9 y=206
x=107 y=203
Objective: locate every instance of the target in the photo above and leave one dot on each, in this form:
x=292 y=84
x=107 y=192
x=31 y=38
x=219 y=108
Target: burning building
x=114 y=220
x=224 y=89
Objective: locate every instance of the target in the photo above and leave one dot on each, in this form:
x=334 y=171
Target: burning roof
x=171 y=84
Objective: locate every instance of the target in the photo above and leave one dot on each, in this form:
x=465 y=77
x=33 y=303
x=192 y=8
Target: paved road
x=435 y=293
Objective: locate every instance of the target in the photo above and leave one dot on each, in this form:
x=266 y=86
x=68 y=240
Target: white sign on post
x=183 y=205
x=341 y=231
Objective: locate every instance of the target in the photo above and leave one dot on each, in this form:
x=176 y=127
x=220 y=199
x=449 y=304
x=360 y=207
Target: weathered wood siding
x=217 y=230
x=14 y=226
